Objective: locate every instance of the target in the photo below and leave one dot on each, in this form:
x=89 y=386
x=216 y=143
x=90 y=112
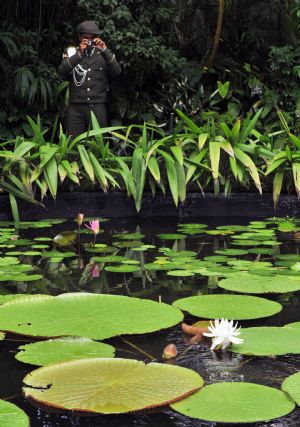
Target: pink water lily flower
x=94 y=226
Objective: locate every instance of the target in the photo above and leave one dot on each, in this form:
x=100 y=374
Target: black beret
x=88 y=27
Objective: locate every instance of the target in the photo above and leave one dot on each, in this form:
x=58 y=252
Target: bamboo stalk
x=217 y=34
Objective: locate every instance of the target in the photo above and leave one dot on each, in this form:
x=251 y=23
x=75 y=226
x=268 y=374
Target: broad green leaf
x=235 y=307
x=267 y=340
x=86 y=162
x=296 y=175
x=236 y=402
x=154 y=168
x=178 y=154
x=189 y=122
x=214 y=154
x=172 y=175
x=104 y=316
x=223 y=88
x=99 y=172
x=250 y=165
x=202 y=138
x=291 y=386
x=110 y=386
x=12 y=415
x=62 y=349
x=252 y=284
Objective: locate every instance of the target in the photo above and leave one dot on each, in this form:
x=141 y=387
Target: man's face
x=87 y=36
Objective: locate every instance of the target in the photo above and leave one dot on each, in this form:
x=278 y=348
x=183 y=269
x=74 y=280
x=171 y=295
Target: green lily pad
x=109 y=258
x=291 y=386
x=62 y=349
x=104 y=316
x=231 y=252
x=12 y=415
x=171 y=236
x=110 y=386
x=268 y=340
x=260 y=251
x=235 y=402
x=235 y=307
x=143 y=248
x=295 y=325
x=124 y=268
x=180 y=273
x=252 y=284
x=246 y=243
x=57 y=254
x=128 y=244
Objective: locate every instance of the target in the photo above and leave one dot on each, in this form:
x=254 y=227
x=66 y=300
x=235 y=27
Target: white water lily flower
x=223 y=333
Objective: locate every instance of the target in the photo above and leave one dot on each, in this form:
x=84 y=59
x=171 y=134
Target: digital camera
x=90 y=44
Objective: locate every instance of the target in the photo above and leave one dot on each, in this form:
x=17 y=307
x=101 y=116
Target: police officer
x=88 y=68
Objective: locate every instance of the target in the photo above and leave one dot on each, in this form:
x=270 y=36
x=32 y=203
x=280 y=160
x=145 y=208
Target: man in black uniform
x=88 y=69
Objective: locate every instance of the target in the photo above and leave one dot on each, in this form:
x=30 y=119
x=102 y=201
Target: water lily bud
x=80 y=217
x=170 y=352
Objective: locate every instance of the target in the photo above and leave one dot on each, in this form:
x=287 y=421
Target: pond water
x=74 y=270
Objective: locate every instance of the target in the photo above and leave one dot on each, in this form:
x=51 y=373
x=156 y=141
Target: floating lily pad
x=87 y=315
x=260 y=251
x=236 y=402
x=231 y=252
x=295 y=325
x=143 y=248
x=110 y=386
x=62 y=349
x=180 y=273
x=235 y=307
x=12 y=415
x=268 y=340
x=171 y=236
x=291 y=386
x=109 y=258
x=128 y=244
x=124 y=268
x=246 y=243
x=57 y=254
x=252 y=284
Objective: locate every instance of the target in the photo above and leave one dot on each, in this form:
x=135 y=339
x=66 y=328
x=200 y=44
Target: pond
x=163 y=261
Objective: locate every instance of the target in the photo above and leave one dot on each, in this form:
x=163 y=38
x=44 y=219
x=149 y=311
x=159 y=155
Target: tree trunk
x=217 y=34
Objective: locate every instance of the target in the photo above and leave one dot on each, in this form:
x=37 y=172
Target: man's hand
x=83 y=45
x=100 y=44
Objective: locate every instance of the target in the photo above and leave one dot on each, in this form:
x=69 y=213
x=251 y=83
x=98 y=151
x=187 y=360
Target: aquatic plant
x=223 y=333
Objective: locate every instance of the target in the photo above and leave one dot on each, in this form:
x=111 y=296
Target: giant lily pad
x=252 y=284
x=236 y=403
x=110 y=386
x=62 y=349
x=295 y=325
x=11 y=415
x=87 y=315
x=268 y=340
x=228 y=306
x=291 y=385
x=124 y=268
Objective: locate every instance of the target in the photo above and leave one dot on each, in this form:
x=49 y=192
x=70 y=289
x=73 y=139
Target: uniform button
x=101 y=68
x=88 y=99
x=89 y=69
x=88 y=89
x=89 y=78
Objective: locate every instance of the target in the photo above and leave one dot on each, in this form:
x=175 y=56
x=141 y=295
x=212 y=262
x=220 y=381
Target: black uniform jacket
x=100 y=67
